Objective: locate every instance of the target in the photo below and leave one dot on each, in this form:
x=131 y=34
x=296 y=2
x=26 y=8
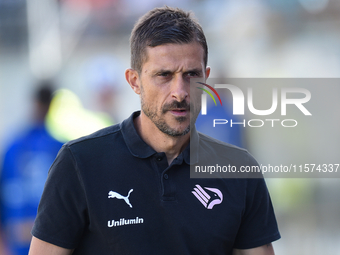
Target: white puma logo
x=113 y=194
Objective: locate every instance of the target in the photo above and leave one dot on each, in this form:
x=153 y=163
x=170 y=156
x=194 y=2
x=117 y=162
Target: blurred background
x=80 y=48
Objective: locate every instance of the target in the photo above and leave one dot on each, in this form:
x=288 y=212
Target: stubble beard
x=160 y=122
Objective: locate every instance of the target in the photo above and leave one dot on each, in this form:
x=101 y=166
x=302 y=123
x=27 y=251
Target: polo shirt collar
x=139 y=148
x=134 y=142
x=191 y=152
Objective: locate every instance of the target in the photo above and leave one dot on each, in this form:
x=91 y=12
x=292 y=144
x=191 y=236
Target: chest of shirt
x=145 y=201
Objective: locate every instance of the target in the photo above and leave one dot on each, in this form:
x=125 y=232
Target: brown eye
x=164 y=74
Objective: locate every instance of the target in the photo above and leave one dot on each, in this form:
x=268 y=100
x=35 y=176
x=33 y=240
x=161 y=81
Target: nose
x=180 y=89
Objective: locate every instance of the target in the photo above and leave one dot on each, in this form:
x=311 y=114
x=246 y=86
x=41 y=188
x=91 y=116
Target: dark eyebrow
x=196 y=70
x=164 y=71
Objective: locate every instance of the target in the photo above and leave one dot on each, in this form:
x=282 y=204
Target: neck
x=159 y=141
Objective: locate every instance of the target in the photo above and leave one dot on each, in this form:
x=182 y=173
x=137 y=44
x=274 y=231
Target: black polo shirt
x=110 y=193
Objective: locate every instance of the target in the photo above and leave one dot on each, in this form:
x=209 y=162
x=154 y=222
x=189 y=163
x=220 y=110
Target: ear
x=132 y=78
x=207 y=72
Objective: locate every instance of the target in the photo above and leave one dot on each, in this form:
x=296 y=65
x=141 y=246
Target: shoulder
x=220 y=144
x=224 y=150
x=96 y=137
x=95 y=144
x=80 y=153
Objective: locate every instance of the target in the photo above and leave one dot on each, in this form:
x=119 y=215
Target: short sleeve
x=259 y=226
x=62 y=213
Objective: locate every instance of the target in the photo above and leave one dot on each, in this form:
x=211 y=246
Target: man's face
x=165 y=86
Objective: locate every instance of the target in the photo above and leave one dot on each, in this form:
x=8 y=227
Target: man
x=127 y=189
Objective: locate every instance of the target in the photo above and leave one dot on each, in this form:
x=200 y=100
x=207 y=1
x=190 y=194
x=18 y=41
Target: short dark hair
x=164 y=25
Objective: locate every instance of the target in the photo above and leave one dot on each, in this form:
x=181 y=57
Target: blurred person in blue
x=23 y=175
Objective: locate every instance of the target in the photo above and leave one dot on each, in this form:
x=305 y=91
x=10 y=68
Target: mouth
x=179 y=112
